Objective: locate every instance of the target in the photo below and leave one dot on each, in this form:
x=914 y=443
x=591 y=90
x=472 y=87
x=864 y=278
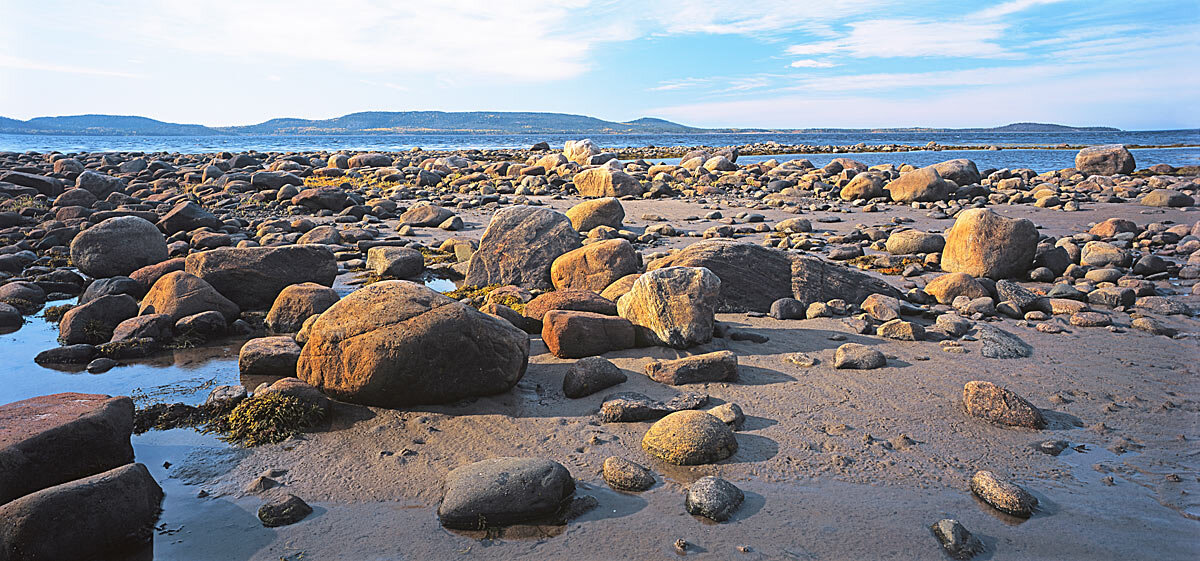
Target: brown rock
x=571 y=334
x=716 y=366
x=297 y=303
x=985 y=244
x=1000 y=406
x=689 y=438
x=1003 y=495
x=946 y=288
x=594 y=266
x=180 y=294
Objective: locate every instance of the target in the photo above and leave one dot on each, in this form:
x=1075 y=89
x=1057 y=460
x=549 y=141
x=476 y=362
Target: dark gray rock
x=282 y=511
x=504 y=491
x=590 y=375
x=714 y=498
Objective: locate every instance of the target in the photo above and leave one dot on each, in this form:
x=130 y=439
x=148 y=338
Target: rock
x=281 y=511
x=863 y=186
x=961 y=171
x=589 y=375
x=327 y=235
x=955 y=539
x=620 y=287
x=714 y=498
x=180 y=294
x=858 y=357
x=53 y=439
x=1103 y=254
x=1163 y=305
x=48 y=186
x=10 y=318
x=1026 y=300
x=901 y=330
x=204 y=324
x=1167 y=198
x=1000 y=406
x=985 y=244
x=631 y=407
x=101 y=365
x=297 y=303
x=160 y=327
x=269 y=356
x=94 y=322
x=118 y=246
x=605 y=182
x=148 y=275
x=580 y=151
x=689 y=438
x=296 y=388
x=27 y=297
x=594 y=266
x=907 y=242
x=98 y=184
x=107 y=514
x=716 y=366
x=624 y=475
x=70 y=354
x=111 y=285
x=998 y=343
x=752 y=277
x=672 y=306
x=252 y=277
x=426 y=215
x=575 y=300
x=395 y=262
x=504 y=491
x=881 y=307
x=187 y=216
x=397 y=343
x=953 y=325
x=599 y=212
x=571 y=334
x=814 y=280
x=519 y=246
x=1003 y=495
x=920 y=185
x=1152 y=326
x=1113 y=226
x=1110 y=159
x=787 y=308
x=729 y=413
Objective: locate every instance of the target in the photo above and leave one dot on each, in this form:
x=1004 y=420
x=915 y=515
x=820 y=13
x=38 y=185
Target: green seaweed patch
x=471 y=291
x=54 y=314
x=266 y=419
x=436 y=256
x=22 y=305
x=513 y=302
x=886 y=264
x=21 y=203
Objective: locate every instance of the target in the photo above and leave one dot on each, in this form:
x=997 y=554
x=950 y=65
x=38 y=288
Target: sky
x=708 y=63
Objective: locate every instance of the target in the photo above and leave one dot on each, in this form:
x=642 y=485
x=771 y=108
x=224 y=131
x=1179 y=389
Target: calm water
x=395 y=142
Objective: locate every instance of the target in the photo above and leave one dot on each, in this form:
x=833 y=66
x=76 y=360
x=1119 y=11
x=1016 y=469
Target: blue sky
x=715 y=63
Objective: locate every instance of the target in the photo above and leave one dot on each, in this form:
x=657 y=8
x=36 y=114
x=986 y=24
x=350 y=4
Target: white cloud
x=1011 y=7
x=892 y=38
x=757 y=17
x=17 y=63
x=811 y=63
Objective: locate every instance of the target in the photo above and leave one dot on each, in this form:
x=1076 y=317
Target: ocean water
x=1040 y=159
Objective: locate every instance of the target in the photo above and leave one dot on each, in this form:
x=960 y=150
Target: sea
x=1047 y=155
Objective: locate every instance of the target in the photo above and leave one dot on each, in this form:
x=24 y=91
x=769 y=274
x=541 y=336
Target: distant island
x=438 y=122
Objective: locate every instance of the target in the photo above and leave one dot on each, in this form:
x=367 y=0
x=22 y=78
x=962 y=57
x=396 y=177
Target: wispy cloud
x=8 y=61
x=811 y=63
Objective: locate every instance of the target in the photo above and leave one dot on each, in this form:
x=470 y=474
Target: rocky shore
x=636 y=353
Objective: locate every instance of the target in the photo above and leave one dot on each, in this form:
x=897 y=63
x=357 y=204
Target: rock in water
x=180 y=294
x=118 y=246
x=395 y=262
x=519 y=246
x=625 y=475
x=269 y=356
x=90 y=518
x=504 y=491
x=590 y=375
x=53 y=439
x=985 y=244
x=689 y=438
x=998 y=343
x=672 y=306
x=1110 y=159
x=958 y=542
x=714 y=498
x=397 y=343
x=752 y=276
x=284 y=510
x=252 y=277
x=1006 y=497
x=1001 y=406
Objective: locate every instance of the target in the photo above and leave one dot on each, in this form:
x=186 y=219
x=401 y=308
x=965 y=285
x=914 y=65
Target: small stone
x=958 y=542
x=713 y=498
x=1001 y=406
x=590 y=375
x=858 y=357
x=730 y=414
x=282 y=511
x=1004 y=496
x=800 y=359
x=260 y=484
x=624 y=475
x=1053 y=447
x=998 y=343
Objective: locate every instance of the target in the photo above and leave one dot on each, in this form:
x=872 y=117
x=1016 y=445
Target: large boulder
x=426 y=215
x=95 y=321
x=297 y=303
x=1110 y=159
x=594 y=266
x=180 y=294
x=371 y=160
x=752 y=276
x=53 y=439
x=920 y=185
x=580 y=151
x=672 y=306
x=118 y=246
x=961 y=171
x=1167 y=198
x=606 y=182
x=49 y=186
x=689 y=438
x=985 y=244
x=863 y=186
x=571 y=334
x=504 y=491
x=599 y=212
x=269 y=356
x=252 y=277
x=103 y=516
x=395 y=262
x=98 y=184
x=814 y=280
x=397 y=343
x=519 y=246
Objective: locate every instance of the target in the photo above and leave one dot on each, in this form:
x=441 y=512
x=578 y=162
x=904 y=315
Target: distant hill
x=417 y=122
x=477 y=122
